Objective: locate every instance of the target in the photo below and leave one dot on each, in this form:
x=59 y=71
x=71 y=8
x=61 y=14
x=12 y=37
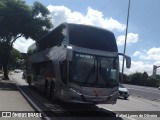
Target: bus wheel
x=29 y=81
x=46 y=91
x=52 y=91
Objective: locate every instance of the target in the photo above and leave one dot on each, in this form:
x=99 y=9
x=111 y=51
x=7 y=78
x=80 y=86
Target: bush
x=136 y=78
x=142 y=79
x=152 y=82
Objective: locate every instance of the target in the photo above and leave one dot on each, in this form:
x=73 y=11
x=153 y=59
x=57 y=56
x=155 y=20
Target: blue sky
x=143 y=30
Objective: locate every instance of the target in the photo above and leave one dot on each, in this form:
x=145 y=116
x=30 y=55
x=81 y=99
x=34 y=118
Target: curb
x=30 y=101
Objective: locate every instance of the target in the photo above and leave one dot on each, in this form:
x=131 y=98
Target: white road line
x=113 y=111
x=35 y=106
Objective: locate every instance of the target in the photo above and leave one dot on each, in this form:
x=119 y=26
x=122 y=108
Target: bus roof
x=80 y=35
x=92 y=37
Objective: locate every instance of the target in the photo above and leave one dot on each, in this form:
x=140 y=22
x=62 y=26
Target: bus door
x=38 y=75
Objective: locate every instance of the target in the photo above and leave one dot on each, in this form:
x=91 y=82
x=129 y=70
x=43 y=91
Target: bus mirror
x=69 y=55
x=128 y=60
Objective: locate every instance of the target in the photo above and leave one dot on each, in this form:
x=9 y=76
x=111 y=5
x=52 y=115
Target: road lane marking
x=113 y=111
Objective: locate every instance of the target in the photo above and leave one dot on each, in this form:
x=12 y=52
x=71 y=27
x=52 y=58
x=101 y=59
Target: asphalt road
x=126 y=109
x=149 y=93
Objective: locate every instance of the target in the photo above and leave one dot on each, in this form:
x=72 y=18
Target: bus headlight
x=76 y=91
x=69 y=47
x=113 y=93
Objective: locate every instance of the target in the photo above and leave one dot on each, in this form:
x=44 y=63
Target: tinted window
x=92 y=37
x=91 y=70
x=52 y=39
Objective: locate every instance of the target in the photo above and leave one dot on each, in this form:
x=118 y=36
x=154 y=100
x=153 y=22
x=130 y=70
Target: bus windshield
x=90 y=70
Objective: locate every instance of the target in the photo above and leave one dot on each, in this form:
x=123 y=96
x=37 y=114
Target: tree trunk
x=5 y=48
x=5 y=63
x=5 y=70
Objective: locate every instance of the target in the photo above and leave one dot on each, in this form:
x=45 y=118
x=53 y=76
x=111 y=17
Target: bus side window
x=63 y=71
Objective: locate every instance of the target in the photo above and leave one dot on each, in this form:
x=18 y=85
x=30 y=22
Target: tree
x=15 y=59
x=152 y=82
x=126 y=79
x=144 y=78
x=136 y=78
x=20 y=20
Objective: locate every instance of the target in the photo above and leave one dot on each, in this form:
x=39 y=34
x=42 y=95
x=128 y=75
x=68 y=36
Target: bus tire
x=46 y=91
x=29 y=81
x=52 y=91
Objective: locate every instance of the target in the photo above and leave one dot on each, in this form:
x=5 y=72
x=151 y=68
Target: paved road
x=133 y=105
x=149 y=93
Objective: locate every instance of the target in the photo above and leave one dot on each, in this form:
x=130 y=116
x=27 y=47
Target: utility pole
x=125 y=40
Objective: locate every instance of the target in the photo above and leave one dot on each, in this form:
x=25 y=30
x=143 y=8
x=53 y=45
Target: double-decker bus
x=76 y=63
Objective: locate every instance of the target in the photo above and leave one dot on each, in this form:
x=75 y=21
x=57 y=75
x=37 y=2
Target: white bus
x=76 y=63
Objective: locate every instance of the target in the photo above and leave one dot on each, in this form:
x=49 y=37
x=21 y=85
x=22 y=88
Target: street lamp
x=155 y=69
x=125 y=38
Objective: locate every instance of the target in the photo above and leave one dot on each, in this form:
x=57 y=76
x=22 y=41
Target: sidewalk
x=12 y=100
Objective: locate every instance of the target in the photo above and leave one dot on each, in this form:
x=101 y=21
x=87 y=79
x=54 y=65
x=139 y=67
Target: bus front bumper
x=94 y=99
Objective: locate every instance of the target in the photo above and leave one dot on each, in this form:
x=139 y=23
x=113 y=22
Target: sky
x=143 y=29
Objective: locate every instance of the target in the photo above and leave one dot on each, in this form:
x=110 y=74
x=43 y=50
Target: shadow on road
x=7 y=85
x=68 y=111
x=84 y=110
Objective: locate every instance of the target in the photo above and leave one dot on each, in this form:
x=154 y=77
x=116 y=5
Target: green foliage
x=15 y=59
x=136 y=78
x=39 y=8
x=125 y=78
x=152 y=82
x=15 y=54
x=142 y=79
x=17 y=19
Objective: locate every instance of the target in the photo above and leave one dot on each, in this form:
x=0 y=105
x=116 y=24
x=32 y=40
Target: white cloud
x=93 y=17
x=137 y=53
x=22 y=44
x=153 y=51
x=157 y=63
x=139 y=66
x=61 y=14
x=131 y=38
x=151 y=54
